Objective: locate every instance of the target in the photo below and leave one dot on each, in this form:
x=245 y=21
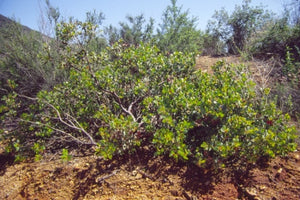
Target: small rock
x=95 y=190
x=138 y=176
x=207 y=183
x=251 y=192
x=134 y=172
x=262 y=187
x=279 y=171
x=168 y=198
x=174 y=192
x=296 y=157
x=189 y=196
x=280 y=175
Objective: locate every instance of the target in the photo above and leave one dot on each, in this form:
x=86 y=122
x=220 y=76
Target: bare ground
x=145 y=177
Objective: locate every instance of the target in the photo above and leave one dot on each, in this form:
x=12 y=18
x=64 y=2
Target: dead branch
x=27 y=97
x=126 y=110
x=100 y=180
x=144 y=174
x=58 y=130
x=71 y=124
x=82 y=129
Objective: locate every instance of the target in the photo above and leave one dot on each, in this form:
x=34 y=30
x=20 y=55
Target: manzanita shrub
x=126 y=97
x=101 y=104
x=216 y=119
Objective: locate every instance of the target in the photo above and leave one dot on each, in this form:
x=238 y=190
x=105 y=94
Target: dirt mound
x=205 y=62
x=261 y=72
x=142 y=177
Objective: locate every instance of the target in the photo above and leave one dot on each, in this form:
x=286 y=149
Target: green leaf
x=204 y=145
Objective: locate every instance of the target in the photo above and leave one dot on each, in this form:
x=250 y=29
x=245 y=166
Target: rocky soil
x=145 y=177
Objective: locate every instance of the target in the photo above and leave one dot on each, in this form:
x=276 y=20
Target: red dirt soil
x=145 y=177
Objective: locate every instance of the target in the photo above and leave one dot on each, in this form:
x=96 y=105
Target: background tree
x=292 y=9
x=49 y=17
x=294 y=39
x=271 y=40
x=112 y=33
x=278 y=33
x=217 y=33
x=178 y=31
x=237 y=28
x=97 y=41
x=132 y=32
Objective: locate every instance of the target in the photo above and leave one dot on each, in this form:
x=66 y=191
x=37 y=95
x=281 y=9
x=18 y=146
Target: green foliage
x=287 y=91
x=219 y=119
x=104 y=97
x=38 y=150
x=132 y=33
x=178 y=31
x=65 y=156
x=20 y=61
x=121 y=98
x=291 y=67
x=124 y=98
x=236 y=29
x=100 y=100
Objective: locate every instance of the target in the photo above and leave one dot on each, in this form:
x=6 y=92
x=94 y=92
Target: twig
x=58 y=130
x=100 y=180
x=145 y=174
x=72 y=125
x=118 y=100
x=82 y=129
x=27 y=97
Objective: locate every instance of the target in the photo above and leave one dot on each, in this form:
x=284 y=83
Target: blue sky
x=28 y=12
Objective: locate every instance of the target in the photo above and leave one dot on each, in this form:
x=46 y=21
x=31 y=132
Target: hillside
x=4 y=21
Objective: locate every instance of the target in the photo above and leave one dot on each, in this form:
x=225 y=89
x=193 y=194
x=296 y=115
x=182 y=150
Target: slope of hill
x=4 y=21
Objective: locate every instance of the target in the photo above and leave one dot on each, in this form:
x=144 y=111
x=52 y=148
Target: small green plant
x=291 y=67
x=287 y=90
x=38 y=150
x=14 y=148
x=65 y=156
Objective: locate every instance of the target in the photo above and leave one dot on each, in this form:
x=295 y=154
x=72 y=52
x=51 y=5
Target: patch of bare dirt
x=205 y=62
x=278 y=180
x=261 y=72
x=145 y=177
